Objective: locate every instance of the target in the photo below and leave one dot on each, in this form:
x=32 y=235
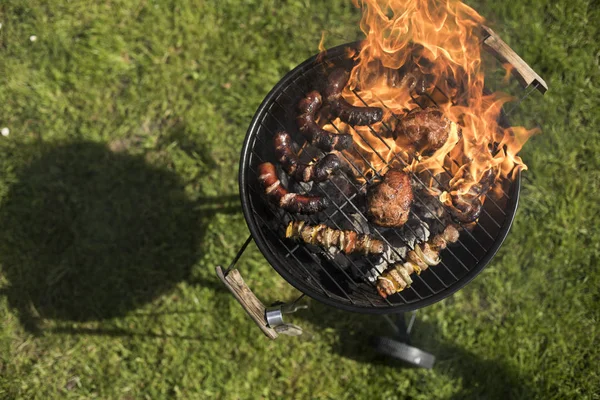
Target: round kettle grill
x=342 y=282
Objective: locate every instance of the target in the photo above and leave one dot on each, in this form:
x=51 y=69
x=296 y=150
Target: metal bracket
x=274 y=316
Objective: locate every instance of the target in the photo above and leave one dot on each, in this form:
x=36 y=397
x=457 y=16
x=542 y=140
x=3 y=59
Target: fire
x=422 y=53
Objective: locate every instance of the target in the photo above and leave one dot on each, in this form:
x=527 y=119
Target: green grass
x=118 y=196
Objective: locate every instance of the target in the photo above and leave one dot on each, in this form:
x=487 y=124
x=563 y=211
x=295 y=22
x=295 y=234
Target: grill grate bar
x=348 y=201
x=447 y=172
x=309 y=253
x=338 y=227
x=338 y=209
x=526 y=95
x=437 y=105
x=414 y=233
x=291 y=253
x=425 y=206
x=395 y=155
x=419 y=218
x=360 y=213
x=403 y=259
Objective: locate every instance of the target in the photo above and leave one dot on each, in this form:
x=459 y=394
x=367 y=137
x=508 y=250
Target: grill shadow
x=90 y=234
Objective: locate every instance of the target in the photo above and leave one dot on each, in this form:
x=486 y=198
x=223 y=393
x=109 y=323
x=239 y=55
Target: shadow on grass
x=481 y=377
x=89 y=234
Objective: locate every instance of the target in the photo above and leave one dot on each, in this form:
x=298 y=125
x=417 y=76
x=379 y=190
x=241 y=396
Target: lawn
x=118 y=196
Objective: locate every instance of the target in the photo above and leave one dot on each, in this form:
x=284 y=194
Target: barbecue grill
x=342 y=281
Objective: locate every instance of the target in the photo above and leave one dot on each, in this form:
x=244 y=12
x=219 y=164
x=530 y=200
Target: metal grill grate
x=340 y=281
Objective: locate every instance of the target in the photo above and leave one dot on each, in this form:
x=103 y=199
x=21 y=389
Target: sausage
x=350 y=114
x=314 y=134
x=292 y=202
x=318 y=172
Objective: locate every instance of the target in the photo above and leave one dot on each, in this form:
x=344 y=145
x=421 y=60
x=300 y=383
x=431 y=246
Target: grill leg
x=399 y=346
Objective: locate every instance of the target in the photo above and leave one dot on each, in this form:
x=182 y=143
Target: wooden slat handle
x=253 y=306
x=521 y=70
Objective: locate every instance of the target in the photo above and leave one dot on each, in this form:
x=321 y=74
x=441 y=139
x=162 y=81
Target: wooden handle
x=253 y=306
x=521 y=70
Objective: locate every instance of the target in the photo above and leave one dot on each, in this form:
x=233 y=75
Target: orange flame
x=508 y=71
x=322 y=48
x=433 y=45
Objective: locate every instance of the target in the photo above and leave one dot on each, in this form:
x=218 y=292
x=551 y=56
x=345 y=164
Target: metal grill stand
x=399 y=347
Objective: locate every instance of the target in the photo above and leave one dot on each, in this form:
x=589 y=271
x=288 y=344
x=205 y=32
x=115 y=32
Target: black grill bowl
x=309 y=271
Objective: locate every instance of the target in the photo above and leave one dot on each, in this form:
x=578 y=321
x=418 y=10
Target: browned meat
x=423 y=130
x=318 y=172
x=450 y=235
x=326 y=237
x=465 y=208
x=292 y=202
x=388 y=202
x=314 y=134
x=350 y=114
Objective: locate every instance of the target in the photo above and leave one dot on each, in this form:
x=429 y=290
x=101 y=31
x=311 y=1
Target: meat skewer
x=326 y=237
x=350 y=114
x=388 y=202
x=314 y=134
x=397 y=278
x=287 y=157
x=292 y=202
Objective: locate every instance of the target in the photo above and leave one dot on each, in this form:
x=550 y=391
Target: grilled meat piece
x=388 y=202
x=287 y=157
x=292 y=202
x=465 y=208
x=350 y=114
x=397 y=278
x=423 y=130
x=326 y=237
x=314 y=134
